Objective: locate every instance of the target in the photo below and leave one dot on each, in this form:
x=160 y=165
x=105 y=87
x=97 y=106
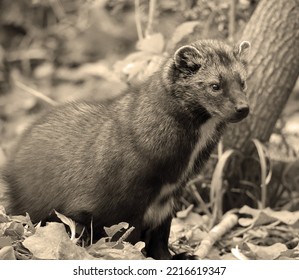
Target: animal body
x=128 y=159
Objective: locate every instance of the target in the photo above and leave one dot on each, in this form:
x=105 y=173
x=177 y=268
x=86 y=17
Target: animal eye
x=215 y=87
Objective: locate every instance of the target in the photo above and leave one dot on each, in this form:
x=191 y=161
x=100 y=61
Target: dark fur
x=127 y=160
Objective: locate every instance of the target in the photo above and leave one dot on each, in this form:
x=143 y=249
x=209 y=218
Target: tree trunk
x=273 y=31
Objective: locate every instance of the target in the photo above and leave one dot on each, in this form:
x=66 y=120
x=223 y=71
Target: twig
x=228 y=222
x=125 y=235
x=91 y=231
x=216 y=190
x=151 y=14
x=138 y=20
x=35 y=93
x=220 y=148
x=198 y=179
x=261 y=150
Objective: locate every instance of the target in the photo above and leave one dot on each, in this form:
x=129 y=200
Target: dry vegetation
x=56 y=51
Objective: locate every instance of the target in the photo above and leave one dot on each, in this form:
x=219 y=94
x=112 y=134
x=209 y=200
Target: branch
x=138 y=20
x=35 y=93
x=228 y=222
x=151 y=15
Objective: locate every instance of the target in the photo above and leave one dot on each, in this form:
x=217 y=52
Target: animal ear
x=243 y=51
x=187 y=59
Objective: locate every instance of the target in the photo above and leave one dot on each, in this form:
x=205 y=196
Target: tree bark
x=273 y=31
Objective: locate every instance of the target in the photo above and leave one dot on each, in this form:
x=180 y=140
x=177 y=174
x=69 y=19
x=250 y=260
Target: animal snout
x=242 y=110
x=239 y=113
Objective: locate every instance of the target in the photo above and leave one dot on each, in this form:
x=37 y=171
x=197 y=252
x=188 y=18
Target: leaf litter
x=244 y=234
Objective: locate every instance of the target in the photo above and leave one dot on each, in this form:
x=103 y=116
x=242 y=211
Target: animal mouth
x=237 y=117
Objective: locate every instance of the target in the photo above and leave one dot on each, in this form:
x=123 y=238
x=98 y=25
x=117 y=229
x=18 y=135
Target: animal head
x=211 y=75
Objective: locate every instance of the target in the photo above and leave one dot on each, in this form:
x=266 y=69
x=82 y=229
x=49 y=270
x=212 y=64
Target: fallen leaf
x=267 y=252
x=24 y=220
x=153 y=66
x=109 y=252
x=111 y=231
x=238 y=254
x=3 y=217
x=133 y=69
x=69 y=222
x=69 y=251
x=267 y=216
x=291 y=254
x=45 y=243
x=286 y=217
x=52 y=243
x=5 y=241
x=153 y=43
x=184 y=213
x=15 y=230
x=7 y=253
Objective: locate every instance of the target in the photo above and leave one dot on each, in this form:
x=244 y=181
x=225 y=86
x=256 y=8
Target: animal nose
x=242 y=109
